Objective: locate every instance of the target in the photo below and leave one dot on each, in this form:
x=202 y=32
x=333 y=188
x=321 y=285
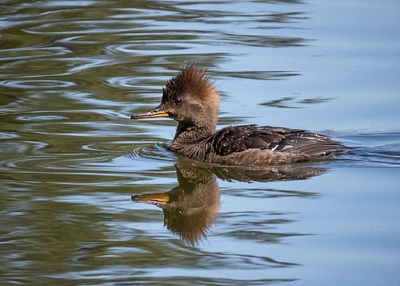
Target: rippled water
x=71 y=73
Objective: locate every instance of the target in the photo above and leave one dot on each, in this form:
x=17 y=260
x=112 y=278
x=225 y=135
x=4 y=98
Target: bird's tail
x=320 y=149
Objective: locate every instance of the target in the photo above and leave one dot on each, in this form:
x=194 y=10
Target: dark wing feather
x=239 y=138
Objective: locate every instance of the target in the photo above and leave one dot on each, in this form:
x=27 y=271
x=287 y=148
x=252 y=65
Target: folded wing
x=240 y=138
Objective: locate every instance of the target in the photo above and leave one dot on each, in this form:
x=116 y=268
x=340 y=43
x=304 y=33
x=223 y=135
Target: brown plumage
x=192 y=100
x=189 y=208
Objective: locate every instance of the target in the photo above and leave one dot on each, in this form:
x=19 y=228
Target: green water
x=72 y=72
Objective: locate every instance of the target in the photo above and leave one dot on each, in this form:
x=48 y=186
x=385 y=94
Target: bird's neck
x=191 y=141
x=187 y=134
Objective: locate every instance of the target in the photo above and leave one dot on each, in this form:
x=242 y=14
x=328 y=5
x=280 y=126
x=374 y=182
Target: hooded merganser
x=191 y=99
x=189 y=208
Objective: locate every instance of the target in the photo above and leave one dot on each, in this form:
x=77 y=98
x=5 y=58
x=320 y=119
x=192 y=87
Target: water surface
x=71 y=73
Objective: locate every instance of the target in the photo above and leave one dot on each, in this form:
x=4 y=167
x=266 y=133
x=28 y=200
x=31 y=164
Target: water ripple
x=153 y=151
x=37 y=83
x=32 y=53
x=373 y=148
x=148 y=47
x=70 y=158
x=82 y=27
x=8 y=135
x=32 y=118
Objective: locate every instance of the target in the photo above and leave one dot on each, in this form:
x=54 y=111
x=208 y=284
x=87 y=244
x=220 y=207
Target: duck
x=189 y=209
x=192 y=99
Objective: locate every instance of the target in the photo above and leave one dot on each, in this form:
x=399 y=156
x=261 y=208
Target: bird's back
x=253 y=145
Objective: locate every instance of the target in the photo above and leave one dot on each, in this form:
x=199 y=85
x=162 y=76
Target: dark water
x=70 y=158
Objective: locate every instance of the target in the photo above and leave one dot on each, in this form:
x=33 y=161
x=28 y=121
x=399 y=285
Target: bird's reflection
x=190 y=208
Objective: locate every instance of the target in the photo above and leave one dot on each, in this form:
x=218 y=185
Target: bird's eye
x=178 y=100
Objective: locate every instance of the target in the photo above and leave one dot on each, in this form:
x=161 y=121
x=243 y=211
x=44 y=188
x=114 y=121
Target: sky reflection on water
x=71 y=72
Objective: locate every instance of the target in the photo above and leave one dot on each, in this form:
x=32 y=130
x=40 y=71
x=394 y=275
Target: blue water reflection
x=71 y=72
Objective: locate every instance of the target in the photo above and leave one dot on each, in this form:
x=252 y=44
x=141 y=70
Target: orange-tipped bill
x=155 y=199
x=155 y=113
